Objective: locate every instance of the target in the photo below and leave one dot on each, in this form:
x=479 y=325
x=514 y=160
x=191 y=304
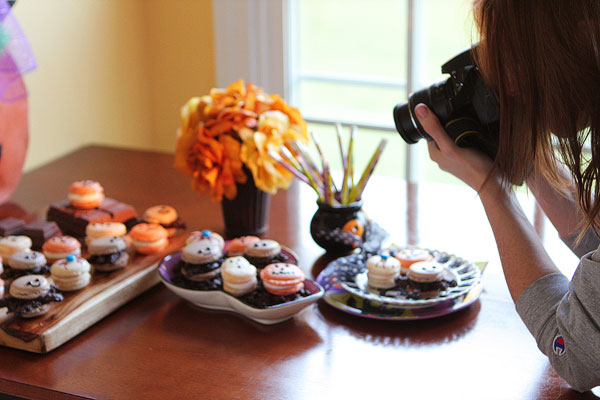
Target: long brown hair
x=542 y=59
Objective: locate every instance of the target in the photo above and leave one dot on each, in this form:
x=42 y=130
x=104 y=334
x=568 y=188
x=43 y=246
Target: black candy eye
x=35 y=283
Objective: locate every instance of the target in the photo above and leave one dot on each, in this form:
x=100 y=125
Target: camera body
x=466 y=107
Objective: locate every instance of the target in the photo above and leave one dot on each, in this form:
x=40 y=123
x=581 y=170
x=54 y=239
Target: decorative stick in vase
x=294 y=156
x=327 y=179
x=349 y=170
x=357 y=190
x=288 y=166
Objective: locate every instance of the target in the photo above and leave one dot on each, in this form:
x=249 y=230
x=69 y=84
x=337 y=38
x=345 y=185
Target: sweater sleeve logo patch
x=559 y=346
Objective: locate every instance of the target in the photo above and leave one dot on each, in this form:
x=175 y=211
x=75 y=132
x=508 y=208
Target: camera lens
x=404 y=123
x=407 y=124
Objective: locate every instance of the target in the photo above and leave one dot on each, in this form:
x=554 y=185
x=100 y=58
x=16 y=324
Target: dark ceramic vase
x=248 y=213
x=339 y=229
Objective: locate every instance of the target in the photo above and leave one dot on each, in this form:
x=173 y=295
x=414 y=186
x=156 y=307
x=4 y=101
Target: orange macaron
x=238 y=246
x=282 y=279
x=409 y=256
x=59 y=247
x=148 y=238
x=85 y=194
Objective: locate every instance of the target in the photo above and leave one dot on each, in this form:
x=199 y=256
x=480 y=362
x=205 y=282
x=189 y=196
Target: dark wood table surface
x=159 y=346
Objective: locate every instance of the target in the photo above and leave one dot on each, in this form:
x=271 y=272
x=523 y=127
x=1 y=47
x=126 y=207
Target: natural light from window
x=349 y=63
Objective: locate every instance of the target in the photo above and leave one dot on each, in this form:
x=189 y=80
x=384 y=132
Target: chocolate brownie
x=73 y=221
x=11 y=226
x=40 y=231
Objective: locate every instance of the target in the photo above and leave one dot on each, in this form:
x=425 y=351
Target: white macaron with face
x=382 y=271
x=13 y=244
x=239 y=276
x=31 y=296
x=71 y=273
x=201 y=252
x=264 y=248
x=27 y=260
x=108 y=253
x=202 y=260
x=426 y=272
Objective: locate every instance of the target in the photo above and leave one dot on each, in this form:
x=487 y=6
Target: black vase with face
x=339 y=229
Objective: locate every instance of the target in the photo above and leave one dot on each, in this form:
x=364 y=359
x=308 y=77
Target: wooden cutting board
x=81 y=309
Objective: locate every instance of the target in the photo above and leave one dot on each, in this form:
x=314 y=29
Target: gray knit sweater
x=564 y=317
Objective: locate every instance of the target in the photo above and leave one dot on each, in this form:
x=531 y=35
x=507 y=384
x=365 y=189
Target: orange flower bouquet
x=229 y=133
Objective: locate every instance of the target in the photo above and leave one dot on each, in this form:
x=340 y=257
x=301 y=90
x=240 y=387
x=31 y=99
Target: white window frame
x=254 y=39
x=250 y=43
x=266 y=28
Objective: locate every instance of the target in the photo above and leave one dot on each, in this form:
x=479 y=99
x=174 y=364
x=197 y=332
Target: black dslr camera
x=464 y=104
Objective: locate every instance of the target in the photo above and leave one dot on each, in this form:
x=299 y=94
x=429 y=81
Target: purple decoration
x=16 y=57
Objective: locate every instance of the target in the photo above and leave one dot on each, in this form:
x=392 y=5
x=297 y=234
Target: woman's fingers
x=432 y=126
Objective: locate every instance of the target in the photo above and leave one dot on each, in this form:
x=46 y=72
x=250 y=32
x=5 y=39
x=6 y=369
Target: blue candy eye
x=71 y=257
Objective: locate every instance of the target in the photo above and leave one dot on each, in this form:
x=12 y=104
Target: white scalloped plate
x=466 y=274
x=219 y=300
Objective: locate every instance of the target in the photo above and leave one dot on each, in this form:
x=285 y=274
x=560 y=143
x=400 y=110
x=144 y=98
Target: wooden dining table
x=158 y=346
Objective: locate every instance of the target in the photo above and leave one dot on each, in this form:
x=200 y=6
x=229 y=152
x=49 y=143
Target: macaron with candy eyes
x=239 y=276
x=26 y=262
x=201 y=260
x=166 y=216
x=148 y=238
x=263 y=252
x=426 y=279
x=85 y=194
x=59 y=247
x=409 y=256
x=238 y=246
x=206 y=235
x=282 y=279
x=108 y=253
x=12 y=244
x=382 y=271
x=30 y=296
x=71 y=273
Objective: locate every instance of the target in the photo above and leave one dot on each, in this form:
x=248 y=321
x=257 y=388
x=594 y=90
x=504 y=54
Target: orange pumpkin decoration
x=354 y=226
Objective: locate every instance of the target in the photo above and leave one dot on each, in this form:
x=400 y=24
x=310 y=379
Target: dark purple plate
x=339 y=272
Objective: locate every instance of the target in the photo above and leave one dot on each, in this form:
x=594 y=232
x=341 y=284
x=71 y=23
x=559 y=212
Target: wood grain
x=83 y=308
x=160 y=347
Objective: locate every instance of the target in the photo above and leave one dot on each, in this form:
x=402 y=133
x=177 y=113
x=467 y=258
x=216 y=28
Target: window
x=348 y=61
x=353 y=60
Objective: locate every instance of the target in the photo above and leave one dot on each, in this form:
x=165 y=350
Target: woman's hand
x=468 y=165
